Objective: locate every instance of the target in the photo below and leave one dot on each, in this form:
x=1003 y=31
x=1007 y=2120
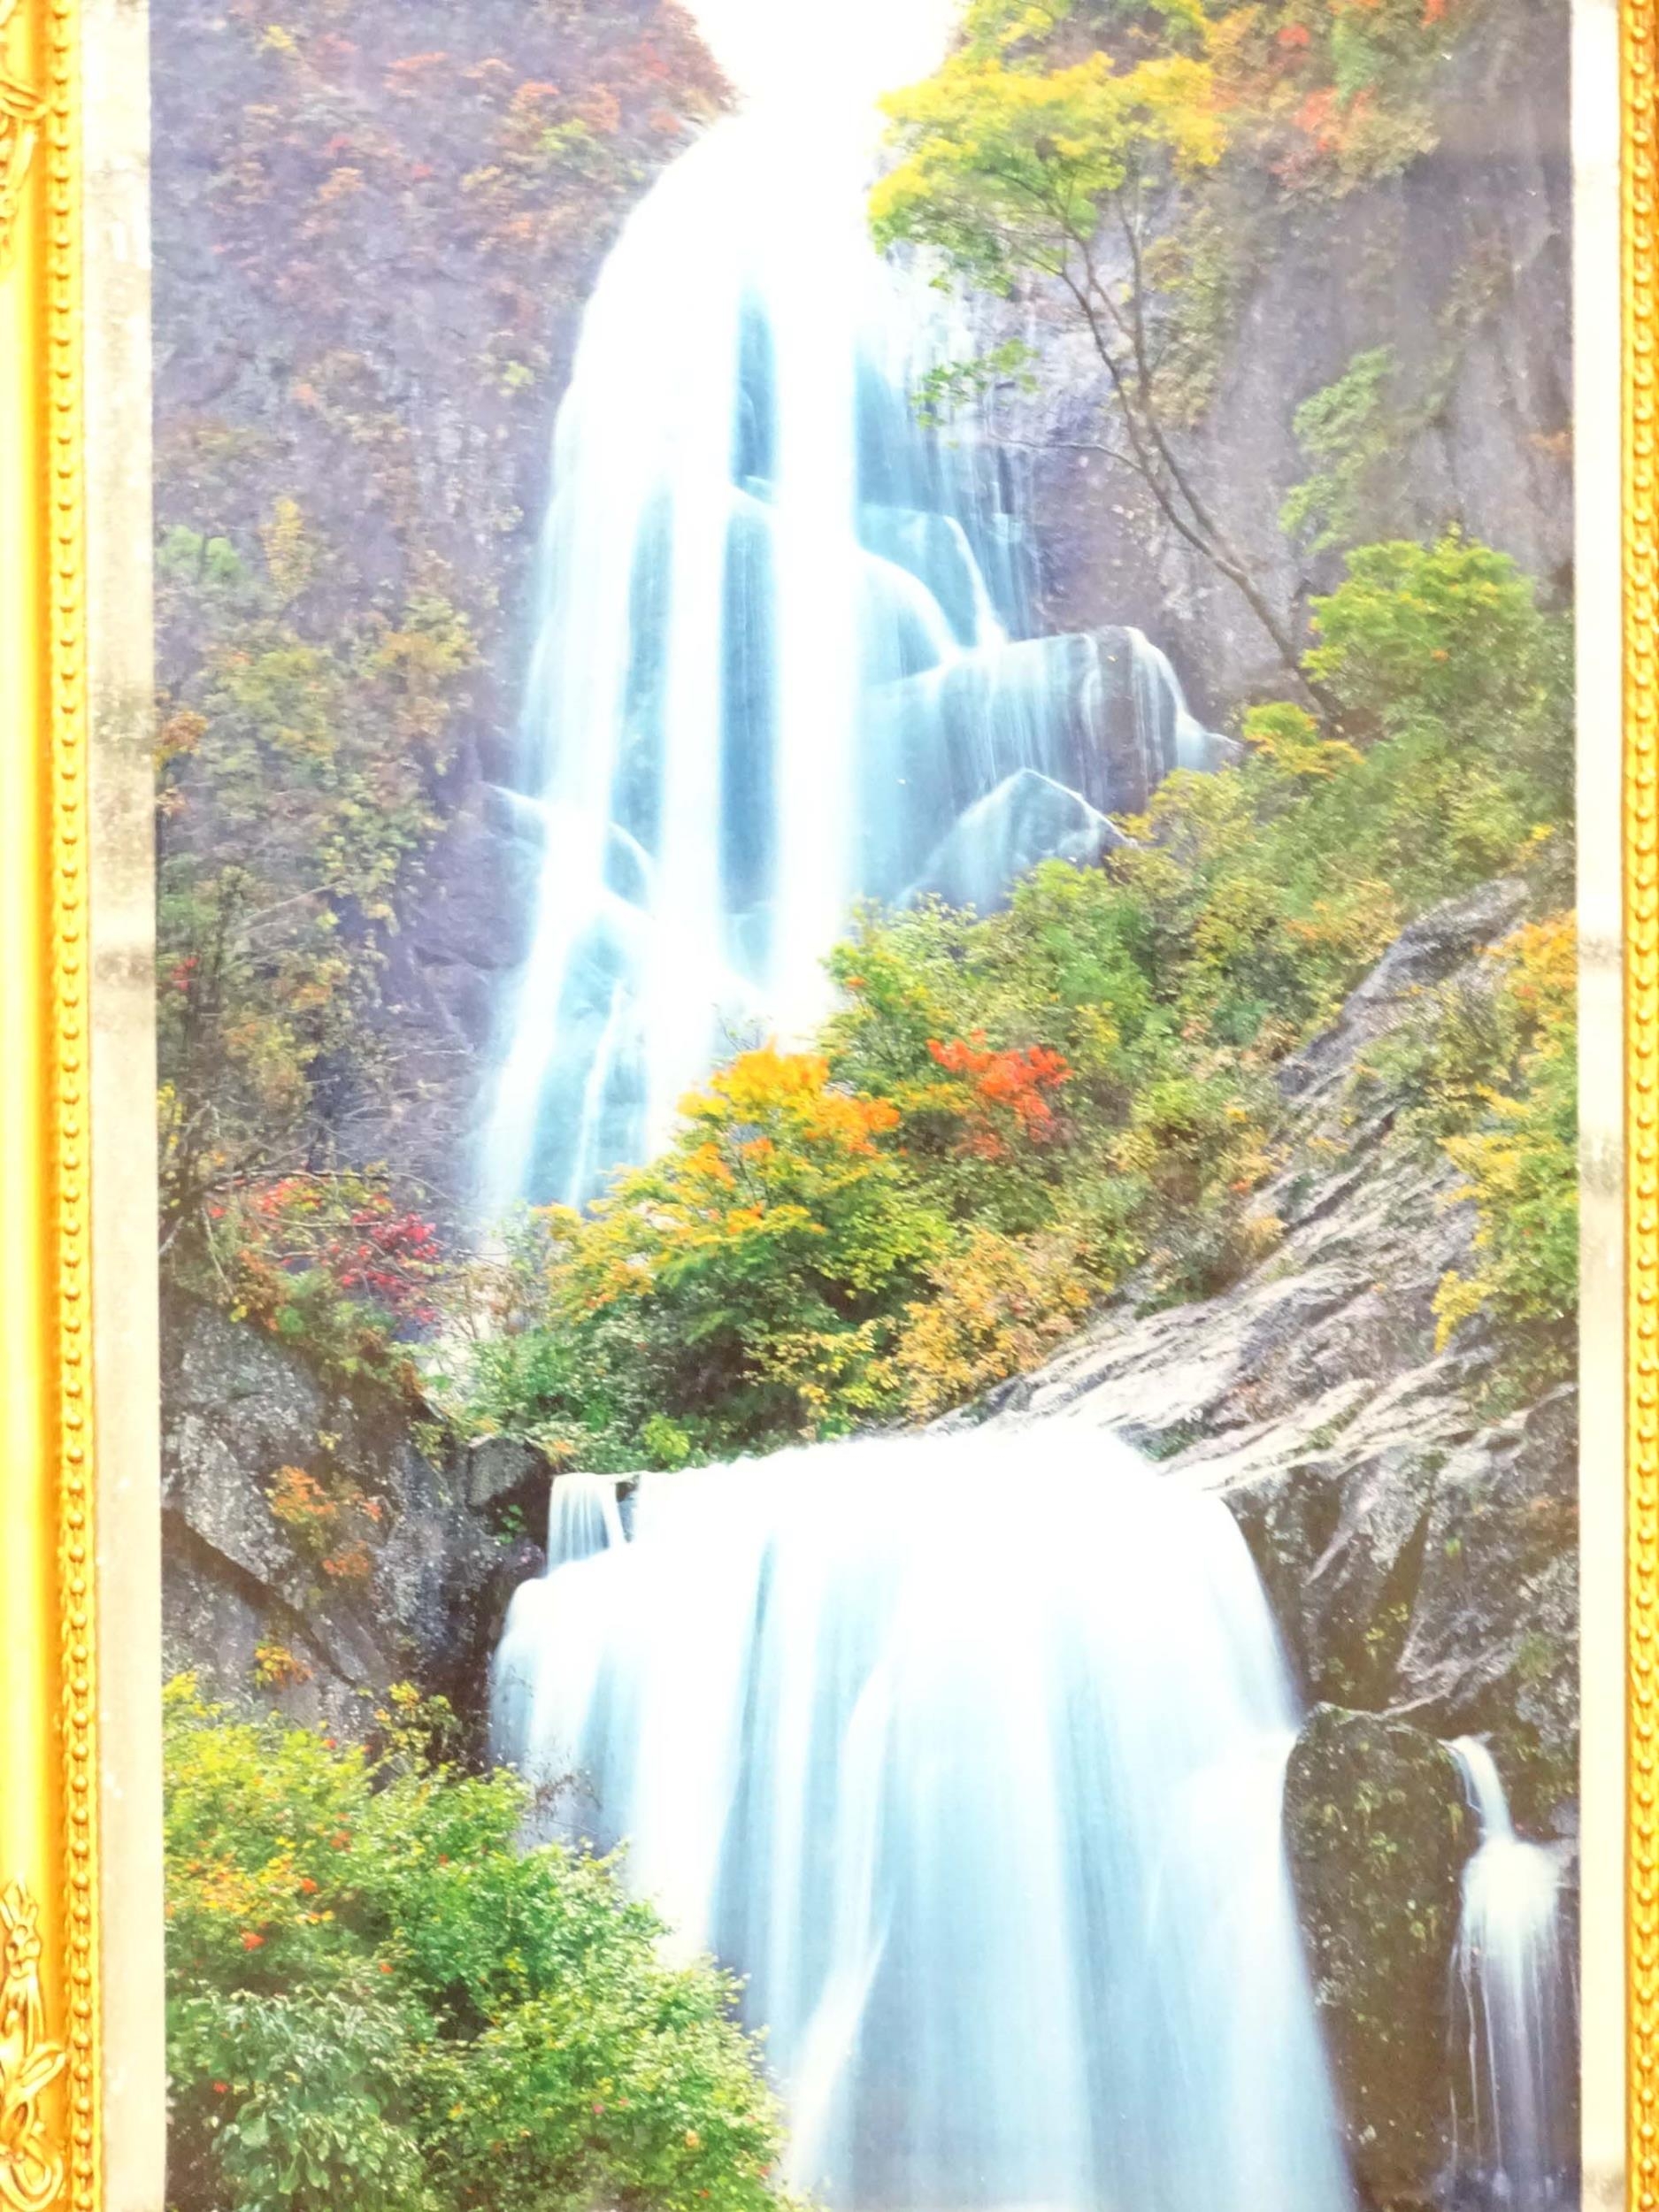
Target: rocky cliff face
x=1459 y=264
x=390 y=1558
x=1420 y=1555
x=376 y=227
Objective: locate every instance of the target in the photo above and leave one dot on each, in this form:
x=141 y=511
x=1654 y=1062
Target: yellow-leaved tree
x=1022 y=157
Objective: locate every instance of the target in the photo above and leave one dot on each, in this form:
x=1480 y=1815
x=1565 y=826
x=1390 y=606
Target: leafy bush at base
x=379 y=2003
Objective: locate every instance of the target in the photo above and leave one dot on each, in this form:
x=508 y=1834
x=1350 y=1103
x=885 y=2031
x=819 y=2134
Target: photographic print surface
x=867 y=999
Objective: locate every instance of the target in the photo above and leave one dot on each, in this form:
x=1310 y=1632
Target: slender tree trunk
x=1153 y=459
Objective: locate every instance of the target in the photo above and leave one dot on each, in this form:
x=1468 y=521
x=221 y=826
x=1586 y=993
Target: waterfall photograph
x=867 y=997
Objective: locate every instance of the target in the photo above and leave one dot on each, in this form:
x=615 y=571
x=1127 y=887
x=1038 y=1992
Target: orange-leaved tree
x=749 y=1278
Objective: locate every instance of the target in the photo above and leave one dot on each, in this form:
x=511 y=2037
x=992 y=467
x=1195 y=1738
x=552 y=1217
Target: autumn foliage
x=330 y=1522
x=1011 y=1092
x=1012 y=1115
x=331 y=1261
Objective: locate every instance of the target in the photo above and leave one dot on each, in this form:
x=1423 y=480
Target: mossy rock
x=1379 y=1832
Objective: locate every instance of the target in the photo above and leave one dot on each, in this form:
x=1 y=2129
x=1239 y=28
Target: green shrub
x=1439 y=637
x=1351 y=430
x=1520 y=1160
x=1013 y=1115
x=378 y=2002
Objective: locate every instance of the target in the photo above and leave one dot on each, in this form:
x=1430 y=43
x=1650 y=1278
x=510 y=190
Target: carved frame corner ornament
x=22 y=112
x=31 y=2160
x=49 y=2057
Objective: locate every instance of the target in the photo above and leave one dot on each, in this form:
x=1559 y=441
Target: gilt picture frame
x=83 y=2084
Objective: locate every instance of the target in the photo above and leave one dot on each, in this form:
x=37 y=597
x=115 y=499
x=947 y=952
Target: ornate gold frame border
x=1641 y=612
x=56 y=2090
x=49 y=2082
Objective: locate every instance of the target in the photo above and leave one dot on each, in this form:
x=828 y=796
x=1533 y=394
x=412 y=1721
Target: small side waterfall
x=1513 y=2005
x=783 y=655
x=968 y=1756
x=582 y=1518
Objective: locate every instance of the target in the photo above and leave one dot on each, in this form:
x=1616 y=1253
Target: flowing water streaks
x=782 y=638
x=1514 y=2008
x=971 y=1767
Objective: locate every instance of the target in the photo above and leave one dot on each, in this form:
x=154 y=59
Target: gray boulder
x=503 y=1471
x=1027 y=818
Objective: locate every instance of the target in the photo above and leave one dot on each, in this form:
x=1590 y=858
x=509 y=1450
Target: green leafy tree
x=1012 y=165
x=380 y=2001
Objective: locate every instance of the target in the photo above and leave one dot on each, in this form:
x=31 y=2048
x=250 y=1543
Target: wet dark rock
x=1378 y=1832
x=504 y=1473
x=1493 y=1643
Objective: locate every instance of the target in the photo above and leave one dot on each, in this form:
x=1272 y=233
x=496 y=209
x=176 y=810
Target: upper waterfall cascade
x=783 y=655
x=975 y=1777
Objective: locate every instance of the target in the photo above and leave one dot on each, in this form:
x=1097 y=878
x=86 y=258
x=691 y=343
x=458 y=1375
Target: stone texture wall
x=1420 y=1555
x=248 y=1601
x=1460 y=264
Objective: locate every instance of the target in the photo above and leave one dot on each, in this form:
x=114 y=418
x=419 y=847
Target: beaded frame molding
x=72 y=1977
x=49 y=2082
x=1639 y=306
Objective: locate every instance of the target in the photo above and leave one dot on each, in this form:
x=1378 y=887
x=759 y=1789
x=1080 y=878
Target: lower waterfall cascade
x=968 y=1758
x=1513 y=2006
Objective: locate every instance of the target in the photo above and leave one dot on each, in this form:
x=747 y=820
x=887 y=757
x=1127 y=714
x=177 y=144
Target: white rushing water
x=769 y=50
x=780 y=659
x=967 y=1752
x=1513 y=2010
x=583 y=1517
